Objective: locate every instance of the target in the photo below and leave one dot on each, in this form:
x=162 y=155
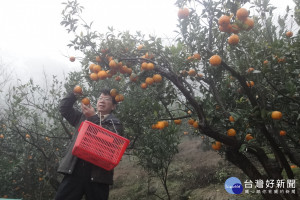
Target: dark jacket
x=75 y=117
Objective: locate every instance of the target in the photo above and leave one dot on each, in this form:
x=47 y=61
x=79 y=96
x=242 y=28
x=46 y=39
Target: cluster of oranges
x=160 y=125
x=243 y=22
x=193 y=123
x=156 y=78
x=86 y=101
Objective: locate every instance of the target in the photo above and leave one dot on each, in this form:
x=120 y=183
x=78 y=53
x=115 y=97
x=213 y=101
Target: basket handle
x=81 y=125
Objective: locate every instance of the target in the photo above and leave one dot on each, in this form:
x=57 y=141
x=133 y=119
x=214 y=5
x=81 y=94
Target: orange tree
x=232 y=86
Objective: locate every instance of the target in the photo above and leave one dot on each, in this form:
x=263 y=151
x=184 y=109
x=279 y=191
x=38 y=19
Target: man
x=83 y=178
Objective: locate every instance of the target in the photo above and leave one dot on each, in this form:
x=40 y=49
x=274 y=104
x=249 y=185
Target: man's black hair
x=106 y=91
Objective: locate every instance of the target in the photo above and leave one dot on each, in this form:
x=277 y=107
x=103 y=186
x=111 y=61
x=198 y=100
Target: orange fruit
x=1 y=136
x=177 y=121
x=144 y=66
x=189 y=112
x=233 y=39
x=112 y=64
x=248 y=137
x=140 y=47
x=149 y=80
x=226 y=29
x=197 y=56
x=242 y=14
x=289 y=34
x=72 y=58
x=77 y=89
x=118 y=78
x=91 y=67
x=231 y=132
x=96 y=68
x=251 y=69
x=293 y=166
x=144 y=85
x=150 y=66
x=224 y=20
x=191 y=121
x=231 y=119
x=216 y=146
x=276 y=115
x=133 y=77
x=250 y=83
x=27 y=135
x=215 y=60
x=185 y=133
x=250 y=23
x=183 y=13
x=94 y=76
x=113 y=92
x=98 y=59
x=119 y=97
x=192 y=72
x=266 y=62
x=195 y=124
x=160 y=125
x=128 y=70
x=85 y=101
x=102 y=74
x=157 y=78
x=282 y=133
x=200 y=75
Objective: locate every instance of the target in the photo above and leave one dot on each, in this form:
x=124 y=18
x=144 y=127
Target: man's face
x=105 y=104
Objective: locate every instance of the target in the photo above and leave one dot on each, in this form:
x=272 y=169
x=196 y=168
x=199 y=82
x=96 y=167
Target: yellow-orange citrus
x=96 y=68
x=197 y=56
x=242 y=14
x=195 y=124
x=192 y=72
x=119 y=97
x=112 y=64
x=149 y=80
x=157 y=78
x=150 y=66
x=282 y=133
x=276 y=115
x=249 y=23
x=102 y=74
x=289 y=34
x=72 y=58
x=231 y=119
x=248 y=137
x=94 y=76
x=183 y=13
x=98 y=59
x=224 y=20
x=177 y=121
x=85 y=101
x=144 y=85
x=191 y=121
x=113 y=92
x=77 y=89
x=231 y=132
x=215 y=60
x=233 y=39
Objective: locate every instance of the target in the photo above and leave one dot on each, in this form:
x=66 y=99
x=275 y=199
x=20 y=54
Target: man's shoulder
x=113 y=118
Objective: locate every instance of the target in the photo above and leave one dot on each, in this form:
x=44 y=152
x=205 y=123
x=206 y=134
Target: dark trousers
x=77 y=184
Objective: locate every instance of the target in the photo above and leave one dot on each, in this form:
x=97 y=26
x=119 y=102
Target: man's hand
x=88 y=110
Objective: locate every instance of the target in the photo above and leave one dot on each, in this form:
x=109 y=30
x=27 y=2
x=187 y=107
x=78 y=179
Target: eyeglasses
x=105 y=99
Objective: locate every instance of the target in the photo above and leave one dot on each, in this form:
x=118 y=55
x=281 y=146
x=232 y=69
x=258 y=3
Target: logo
x=233 y=185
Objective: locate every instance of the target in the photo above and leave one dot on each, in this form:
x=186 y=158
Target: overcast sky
x=32 y=39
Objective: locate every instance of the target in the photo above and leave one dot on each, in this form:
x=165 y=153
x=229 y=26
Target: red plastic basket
x=99 y=146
